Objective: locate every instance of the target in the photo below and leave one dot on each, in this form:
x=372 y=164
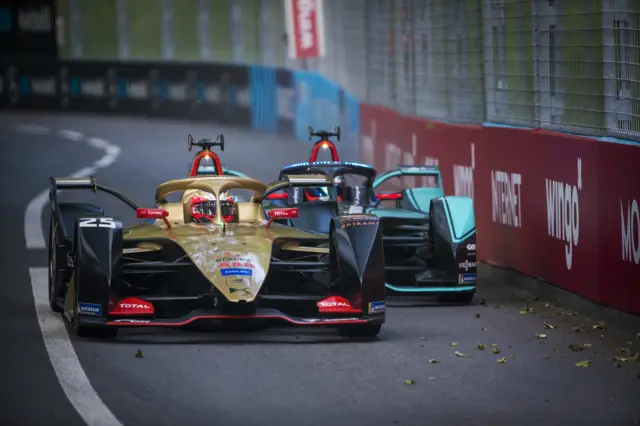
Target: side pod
x=357 y=252
x=98 y=267
x=452 y=225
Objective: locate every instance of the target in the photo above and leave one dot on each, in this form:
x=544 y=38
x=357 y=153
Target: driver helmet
x=203 y=207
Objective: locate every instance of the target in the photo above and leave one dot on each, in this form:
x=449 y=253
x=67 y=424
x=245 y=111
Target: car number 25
x=97 y=222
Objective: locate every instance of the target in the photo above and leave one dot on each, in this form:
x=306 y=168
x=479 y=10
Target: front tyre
x=53 y=267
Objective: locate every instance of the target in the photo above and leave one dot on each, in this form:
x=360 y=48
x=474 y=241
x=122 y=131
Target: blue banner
x=317 y=103
x=272 y=98
x=264 y=102
x=349 y=126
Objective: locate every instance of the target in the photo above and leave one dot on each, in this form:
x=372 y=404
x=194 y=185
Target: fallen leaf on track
x=461 y=355
x=477 y=315
x=576 y=329
x=432 y=378
x=546 y=357
x=585 y=363
x=576 y=348
x=453 y=344
x=434 y=361
x=528 y=310
x=139 y=354
x=483 y=329
x=548 y=326
x=599 y=326
x=541 y=336
x=409 y=382
x=480 y=347
x=496 y=351
x=502 y=360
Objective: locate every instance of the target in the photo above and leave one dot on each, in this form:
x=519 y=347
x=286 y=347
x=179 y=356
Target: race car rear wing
x=419 y=170
x=67 y=183
x=297 y=181
x=409 y=170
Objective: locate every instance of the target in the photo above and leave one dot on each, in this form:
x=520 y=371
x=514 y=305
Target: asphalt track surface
x=282 y=376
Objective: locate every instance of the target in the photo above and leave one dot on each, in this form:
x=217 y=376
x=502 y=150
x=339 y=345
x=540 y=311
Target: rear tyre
x=458 y=298
x=360 y=331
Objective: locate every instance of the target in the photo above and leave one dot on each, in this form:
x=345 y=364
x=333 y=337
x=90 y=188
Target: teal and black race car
x=429 y=239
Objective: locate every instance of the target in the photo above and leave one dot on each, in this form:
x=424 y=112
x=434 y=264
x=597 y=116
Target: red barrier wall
x=559 y=207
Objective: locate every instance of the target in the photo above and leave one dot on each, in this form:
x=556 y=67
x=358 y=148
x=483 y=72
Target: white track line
x=33 y=129
x=33 y=216
x=71 y=135
x=65 y=362
x=72 y=378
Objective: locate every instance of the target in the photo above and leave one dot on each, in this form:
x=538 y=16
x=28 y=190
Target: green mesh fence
x=570 y=65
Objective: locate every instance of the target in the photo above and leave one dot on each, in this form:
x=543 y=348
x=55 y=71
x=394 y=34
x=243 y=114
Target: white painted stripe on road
x=98 y=143
x=71 y=134
x=33 y=129
x=72 y=378
x=33 y=235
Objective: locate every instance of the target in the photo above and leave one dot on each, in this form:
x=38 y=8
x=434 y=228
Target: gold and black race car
x=210 y=257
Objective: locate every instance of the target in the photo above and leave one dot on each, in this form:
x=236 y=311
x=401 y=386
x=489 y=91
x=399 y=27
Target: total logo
x=134 y=306
x=324 y=304
x=563 y=212
x=630 y=231
x=466 y=265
